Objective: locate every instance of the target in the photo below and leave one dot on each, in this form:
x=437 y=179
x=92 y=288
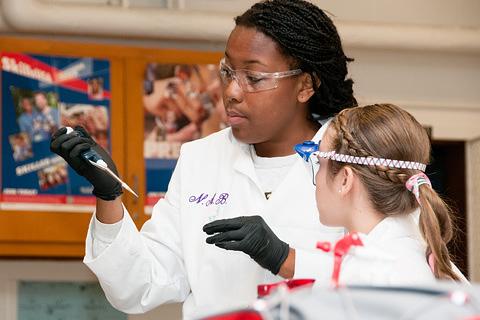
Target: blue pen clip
x=305 y=149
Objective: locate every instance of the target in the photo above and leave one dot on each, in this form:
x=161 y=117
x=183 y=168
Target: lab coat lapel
x=243 y=162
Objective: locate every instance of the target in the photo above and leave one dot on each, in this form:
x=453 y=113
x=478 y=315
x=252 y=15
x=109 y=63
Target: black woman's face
x=263 y=116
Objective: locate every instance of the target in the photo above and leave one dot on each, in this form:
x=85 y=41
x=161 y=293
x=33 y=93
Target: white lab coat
x=393 y=253
x=170 y=261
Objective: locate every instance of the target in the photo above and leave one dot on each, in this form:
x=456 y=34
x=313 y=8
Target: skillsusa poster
x=39 y=94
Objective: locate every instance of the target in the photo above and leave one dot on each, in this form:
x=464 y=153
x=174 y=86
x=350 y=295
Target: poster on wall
x=181 y=103
x=40 y=94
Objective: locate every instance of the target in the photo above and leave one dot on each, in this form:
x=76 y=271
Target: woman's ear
x=306 y=88
x=346 y=178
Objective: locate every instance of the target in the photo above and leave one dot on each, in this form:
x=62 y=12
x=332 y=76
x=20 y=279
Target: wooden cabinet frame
x=62 y=234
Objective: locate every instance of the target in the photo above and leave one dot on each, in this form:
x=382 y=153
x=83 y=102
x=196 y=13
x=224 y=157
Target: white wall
x=440 y=89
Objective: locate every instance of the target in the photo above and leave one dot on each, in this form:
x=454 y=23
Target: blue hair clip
x=305 y=149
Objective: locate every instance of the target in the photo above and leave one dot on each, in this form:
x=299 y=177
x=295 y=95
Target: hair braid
x=350 y=146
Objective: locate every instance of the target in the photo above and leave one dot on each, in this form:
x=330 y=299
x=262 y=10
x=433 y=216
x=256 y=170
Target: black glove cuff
x=282 y=256
x=109 y=196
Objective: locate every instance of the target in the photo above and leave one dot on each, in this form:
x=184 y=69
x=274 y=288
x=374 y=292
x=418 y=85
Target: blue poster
x=39 y=95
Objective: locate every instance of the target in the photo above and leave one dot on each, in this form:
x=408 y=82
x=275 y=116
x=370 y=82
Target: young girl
x=371 y=181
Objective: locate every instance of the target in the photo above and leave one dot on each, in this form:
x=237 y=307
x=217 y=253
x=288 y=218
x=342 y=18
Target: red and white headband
x=370 y=161
x=413 y=183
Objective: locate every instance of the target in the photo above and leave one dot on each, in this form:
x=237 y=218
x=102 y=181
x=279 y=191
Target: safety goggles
x=308 y=150
x=253 y=81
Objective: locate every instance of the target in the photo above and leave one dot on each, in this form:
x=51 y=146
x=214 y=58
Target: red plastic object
x=265 y=289
x=237 y=315
x=340 y=250
x=324 y=246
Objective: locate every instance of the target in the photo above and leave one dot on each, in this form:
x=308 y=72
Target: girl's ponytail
x=436 y=228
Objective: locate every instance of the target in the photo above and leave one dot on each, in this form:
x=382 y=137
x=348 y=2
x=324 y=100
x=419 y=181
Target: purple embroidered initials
x=204 y=199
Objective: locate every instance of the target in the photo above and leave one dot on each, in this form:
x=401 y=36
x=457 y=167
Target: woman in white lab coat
x=371 y=180
x=284 y=68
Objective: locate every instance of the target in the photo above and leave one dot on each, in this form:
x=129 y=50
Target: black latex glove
x=252 y=236
x=70 y=146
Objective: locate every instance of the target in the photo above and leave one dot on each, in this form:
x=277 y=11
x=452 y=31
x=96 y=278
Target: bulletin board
x=57 y=227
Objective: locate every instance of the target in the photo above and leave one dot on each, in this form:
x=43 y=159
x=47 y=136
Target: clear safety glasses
x=308 y=150
x=253 y=81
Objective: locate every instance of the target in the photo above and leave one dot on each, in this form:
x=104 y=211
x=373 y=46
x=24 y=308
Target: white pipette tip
x=124 y=185
x=102 y=163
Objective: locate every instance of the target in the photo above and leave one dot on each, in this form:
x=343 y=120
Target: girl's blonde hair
x=387 y=131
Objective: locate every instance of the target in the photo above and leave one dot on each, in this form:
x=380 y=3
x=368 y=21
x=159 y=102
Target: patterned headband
x=370 y=161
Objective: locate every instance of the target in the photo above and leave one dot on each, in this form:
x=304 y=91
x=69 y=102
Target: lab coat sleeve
x=313 y=264
x=103 y=235
x=139 y=271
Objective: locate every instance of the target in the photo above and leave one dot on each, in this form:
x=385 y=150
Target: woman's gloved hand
x=70 y=146
x=252 y=236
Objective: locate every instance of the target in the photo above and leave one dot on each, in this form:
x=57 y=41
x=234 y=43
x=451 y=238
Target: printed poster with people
x=182 y=103
x=39 y=95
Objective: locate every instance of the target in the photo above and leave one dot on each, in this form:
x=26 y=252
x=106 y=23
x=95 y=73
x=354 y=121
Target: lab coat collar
x=319 y=135
x=398 y=226
x=243 y=162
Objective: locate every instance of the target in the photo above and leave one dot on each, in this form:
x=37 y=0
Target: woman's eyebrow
x=248 y=62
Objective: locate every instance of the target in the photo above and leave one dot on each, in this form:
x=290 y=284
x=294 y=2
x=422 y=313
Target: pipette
x=96 y=160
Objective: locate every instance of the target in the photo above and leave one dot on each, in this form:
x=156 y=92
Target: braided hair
x=387 y=131
x=305 y=33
